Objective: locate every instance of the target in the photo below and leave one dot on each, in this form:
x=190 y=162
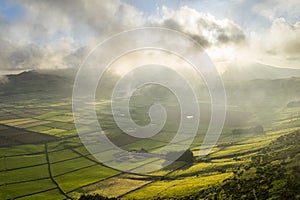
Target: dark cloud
x=59 y=34
x=204 y=28
x=52 y=33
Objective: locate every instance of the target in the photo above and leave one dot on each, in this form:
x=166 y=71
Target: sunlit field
x=134 y=100
x=43 y=158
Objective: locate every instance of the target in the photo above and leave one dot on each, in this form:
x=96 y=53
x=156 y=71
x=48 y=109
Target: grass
x=53 y=131
x=115 y=186
x=61 y=118
x=73 y=172
x=145 y=143
x=67 y=133
x=196 y=168
x=176 y=188
x=149 y=166
x=62 y=155
x=21 y=149
x=69 y=165
x=39 y=128
x=21 y=161
x=50 y=114
x=25 y=174
x=135 y=166
x=82 y=150
x=49 y=195
x=282 y=131
x=32 y=124
x=84 y=177
x=61 y=125
x=185 y=187
x=104 y=155
x=64 y=144
x=20 y=189
x=17 y=121
x=168 y=169
x=69 y=126
x=237 y=149
x=204 y=168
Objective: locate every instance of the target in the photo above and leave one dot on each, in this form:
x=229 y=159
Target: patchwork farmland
x=42 y=158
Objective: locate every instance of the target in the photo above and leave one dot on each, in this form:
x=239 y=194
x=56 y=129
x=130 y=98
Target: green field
x=73 y=170
x=63 y=169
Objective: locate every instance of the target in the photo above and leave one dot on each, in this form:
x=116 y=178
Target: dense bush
x=274 y=173
x=94 y=197
x=187 y=156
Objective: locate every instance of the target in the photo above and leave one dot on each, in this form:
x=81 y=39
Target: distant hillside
x=258 y=71
x=274 y=173
x=251 y=95
x=262 y=95
x=33 y=84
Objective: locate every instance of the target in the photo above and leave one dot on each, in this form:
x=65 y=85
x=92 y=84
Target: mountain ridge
x=258 y=71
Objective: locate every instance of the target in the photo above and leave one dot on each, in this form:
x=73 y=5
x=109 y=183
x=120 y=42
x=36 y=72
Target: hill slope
x=258 y=71
x=274 y=173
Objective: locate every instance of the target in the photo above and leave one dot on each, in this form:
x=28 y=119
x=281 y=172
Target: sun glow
x=225 y=56
x=222 y=54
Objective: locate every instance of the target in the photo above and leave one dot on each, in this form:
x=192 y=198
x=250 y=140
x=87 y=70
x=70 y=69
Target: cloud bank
x=59 y=34
x=203 y=27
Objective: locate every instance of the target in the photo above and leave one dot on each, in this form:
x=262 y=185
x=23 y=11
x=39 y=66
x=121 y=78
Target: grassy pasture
x=167 y=170
x=22 y=150
x=74 y=180
x=39 y=128
x=54 y=131
x=76 y=173
x=24 y=174
x=238 y=149
x=124 y=183
x=69 y=166
x=50 y=114
x=20 y=189
x=61 y=155
x=46 y=195
x=175 y=188
x=145 y=143
x=21 y=161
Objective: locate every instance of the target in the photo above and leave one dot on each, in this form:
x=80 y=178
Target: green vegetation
x=94 y=197
x=22 y=161
x=82 y=177
x=175 y=188
x=11 y=191
x=187 y=156
x=124 y=184
x=248 y=162
x=274 y=173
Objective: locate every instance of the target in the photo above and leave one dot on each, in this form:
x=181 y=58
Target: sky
x=58 y=34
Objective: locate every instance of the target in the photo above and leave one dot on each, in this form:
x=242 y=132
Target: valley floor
x=42 y=158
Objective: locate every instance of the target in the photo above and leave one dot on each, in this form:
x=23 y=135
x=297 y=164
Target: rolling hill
x=258 y=71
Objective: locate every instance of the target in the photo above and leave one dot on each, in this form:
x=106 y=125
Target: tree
x=187 y=156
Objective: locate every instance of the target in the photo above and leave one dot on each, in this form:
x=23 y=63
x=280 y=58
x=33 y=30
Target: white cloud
x=273 y=9
x=203 y=27
x=47 y=19
x=58 y=34
x=50 y=33
x=283 y=38
x=279 y=45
